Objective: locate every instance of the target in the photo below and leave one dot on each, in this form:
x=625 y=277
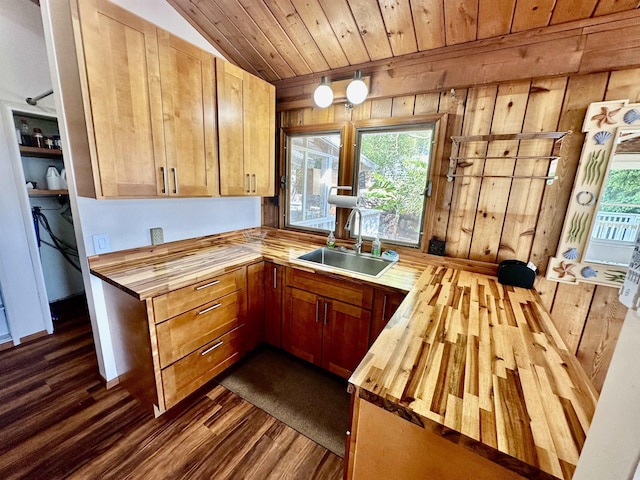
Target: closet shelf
x=45 y=193
x=40 y=152
x=455 y=160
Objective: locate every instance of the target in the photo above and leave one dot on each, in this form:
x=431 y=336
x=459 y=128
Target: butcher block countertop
x=474 y=361
x=150 y=271
x=482 y=365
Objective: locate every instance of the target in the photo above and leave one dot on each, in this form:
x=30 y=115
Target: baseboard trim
x=6 y=345
x=34 y=336
x=111 y=383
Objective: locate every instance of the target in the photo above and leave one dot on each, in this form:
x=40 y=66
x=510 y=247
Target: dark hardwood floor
x=57 y=420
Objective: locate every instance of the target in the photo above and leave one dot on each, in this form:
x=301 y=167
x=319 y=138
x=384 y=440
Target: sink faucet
x=358 y=246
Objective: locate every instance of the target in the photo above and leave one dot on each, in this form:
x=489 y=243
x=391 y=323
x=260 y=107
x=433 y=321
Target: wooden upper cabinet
x=125 y=119
x=150 y=107
x=246 y=132
x=259 y=113
x=230 y=85
x=188 y=105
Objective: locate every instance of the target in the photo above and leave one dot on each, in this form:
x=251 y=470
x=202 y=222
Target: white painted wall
x=612 y=448
x=164 y=16
x=127 y=222
x=24 y=73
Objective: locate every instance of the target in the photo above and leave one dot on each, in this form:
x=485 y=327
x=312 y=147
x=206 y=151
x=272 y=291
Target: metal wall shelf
x=456 y=161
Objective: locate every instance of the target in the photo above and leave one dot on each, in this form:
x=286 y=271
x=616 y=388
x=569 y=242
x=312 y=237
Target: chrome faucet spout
x=358 y=246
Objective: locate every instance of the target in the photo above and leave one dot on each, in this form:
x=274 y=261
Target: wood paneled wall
x=493 y=219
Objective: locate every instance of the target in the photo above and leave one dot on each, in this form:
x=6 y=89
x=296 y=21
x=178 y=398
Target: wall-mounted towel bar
x=456 y=161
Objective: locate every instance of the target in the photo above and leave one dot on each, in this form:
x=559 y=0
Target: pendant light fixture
x=323 y=94
x=357 y=90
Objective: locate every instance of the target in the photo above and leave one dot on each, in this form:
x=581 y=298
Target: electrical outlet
x=157 y=236
x=101 y=243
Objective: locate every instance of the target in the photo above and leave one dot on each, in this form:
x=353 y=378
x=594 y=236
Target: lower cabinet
x=273 y=293
x=168 y=346
x=385 y=304
x=195 y=369
x=329 y=332
x=255 y=305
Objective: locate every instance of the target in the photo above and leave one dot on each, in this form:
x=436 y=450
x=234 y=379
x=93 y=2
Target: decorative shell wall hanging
x=601 y=137
x=589 y=272
x=571 y=254
x=631 y=116
x=565 y=269
x=606 y=116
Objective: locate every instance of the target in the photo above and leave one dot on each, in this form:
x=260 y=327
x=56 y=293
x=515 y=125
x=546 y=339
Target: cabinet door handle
x=275 y=277
x=175 y=180
x=210 y=284
x=384 y=308
x=211 y=349
x=326 y=306
x=255 y=183
x=317 y=308
x=164 y=179
x=248 y=183
x=212 y=307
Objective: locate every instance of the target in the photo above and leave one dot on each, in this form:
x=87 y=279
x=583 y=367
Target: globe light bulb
x=323 y=95
x=357 y=90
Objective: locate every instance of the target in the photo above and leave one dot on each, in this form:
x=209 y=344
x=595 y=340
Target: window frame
x=373 y=126
x=341 y=128
x=347 y=168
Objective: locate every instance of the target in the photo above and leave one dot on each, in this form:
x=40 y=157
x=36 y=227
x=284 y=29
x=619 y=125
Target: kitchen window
x=312 y=168
x=388 y=164
x=392 y=165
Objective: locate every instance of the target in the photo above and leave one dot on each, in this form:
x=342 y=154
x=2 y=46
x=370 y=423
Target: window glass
x=312 y=169
x=392 y=166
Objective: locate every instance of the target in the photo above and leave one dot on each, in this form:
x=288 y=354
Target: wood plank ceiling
x=281 y=39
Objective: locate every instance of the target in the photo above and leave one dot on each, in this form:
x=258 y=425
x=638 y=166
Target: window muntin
x=391 y=177
x=313 y=161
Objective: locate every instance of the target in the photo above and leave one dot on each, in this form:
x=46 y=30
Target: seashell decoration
x=631 y=116
x=571 y=254
x=601 y=137
x=588 y=272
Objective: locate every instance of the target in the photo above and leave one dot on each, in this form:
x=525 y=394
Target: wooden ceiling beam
x=584 y=46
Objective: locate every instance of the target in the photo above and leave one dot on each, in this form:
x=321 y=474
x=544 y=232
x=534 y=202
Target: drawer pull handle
x=384 y=308
x=326 y=305
x=317 y=307
x=211 y=349
x=275 y=277
x=212 y=307
x=210 y=284
x=164 y=180
x=175 y=180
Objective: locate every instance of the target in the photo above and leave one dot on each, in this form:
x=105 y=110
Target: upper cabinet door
x=230 y=83
x=125 y=122
x=259 y=108
x=188 y=104
x=246 y=132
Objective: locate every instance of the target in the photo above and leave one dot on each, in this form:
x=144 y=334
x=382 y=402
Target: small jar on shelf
x=37 y=139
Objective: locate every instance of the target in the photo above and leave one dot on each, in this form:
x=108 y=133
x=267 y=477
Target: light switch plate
x=101 y=243
x=157 y=236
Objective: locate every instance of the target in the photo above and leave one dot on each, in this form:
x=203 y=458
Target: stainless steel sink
x=364 y=263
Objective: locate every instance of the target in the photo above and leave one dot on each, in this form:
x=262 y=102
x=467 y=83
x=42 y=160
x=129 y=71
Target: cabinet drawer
x=191 y=372
x=185 y=333
x=183 y=299
x=345 y=290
